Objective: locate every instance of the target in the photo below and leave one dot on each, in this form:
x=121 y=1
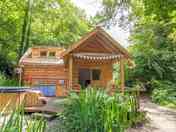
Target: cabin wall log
x=43 y=74
x=122 y=75
x=70 y=71
x=10 y=101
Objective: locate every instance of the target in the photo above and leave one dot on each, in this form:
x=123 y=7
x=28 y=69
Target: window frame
x=43 y=56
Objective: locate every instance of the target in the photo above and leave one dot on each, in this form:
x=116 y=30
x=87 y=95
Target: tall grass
x=95 y=111
x=18 y=122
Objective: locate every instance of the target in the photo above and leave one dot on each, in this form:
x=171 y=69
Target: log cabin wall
x=33 y=75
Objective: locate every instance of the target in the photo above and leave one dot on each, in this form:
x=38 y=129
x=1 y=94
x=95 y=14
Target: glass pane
x=52 y=54
x=62 y=82
x=43 y=54
x=96 y=74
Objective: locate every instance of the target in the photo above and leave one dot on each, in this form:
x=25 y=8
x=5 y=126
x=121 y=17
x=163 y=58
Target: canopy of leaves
x=154 y=46
x=113 y=12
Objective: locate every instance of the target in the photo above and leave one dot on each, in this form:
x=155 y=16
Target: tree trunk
x=26 y=28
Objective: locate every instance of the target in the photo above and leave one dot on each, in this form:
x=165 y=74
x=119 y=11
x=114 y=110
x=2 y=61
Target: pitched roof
x=103 y=34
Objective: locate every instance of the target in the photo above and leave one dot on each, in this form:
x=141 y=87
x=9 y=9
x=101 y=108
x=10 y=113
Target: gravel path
x=161 y=119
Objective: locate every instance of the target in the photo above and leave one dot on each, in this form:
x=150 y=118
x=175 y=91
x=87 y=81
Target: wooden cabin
x=87 y=62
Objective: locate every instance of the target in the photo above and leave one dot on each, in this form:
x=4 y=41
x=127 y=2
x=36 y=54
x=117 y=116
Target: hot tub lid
x=13 y=89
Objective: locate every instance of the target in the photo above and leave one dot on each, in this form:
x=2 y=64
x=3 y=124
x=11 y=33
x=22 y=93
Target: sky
x=91 y=7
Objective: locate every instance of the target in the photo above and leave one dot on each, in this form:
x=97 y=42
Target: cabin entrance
x=84 y=77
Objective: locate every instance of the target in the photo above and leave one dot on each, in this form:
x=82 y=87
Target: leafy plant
x=4 y=81
x=18 y=122
x=164 y=93
x=94 y=110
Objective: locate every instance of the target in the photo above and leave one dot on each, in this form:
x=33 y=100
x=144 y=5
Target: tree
x=113 y=12
x=154 y=49
x=10 y=27
x=64 y=25
x=26 y=29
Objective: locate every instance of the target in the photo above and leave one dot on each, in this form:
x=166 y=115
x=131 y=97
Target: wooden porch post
x=122 y=75
x=70 y=71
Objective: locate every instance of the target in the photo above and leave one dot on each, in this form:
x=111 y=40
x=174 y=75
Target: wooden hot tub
x=10 y=98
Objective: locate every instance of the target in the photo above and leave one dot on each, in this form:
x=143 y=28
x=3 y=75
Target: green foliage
x=6 y=64
x=153 y=44
x=94 y=110
x=11 y=14
x=113 y=12
x=64 y=25
x=164 y=93
x=26 y=28
x=4 y=81
x=17 y=122
x=154 y=47
x=157 y=64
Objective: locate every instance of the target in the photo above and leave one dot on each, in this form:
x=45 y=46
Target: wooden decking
x=53 y=106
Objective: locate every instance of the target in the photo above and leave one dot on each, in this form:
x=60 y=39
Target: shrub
x=4 y=81
x=164 y=93
x=95 y=111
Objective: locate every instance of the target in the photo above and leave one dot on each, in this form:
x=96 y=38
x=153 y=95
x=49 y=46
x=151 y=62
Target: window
x=43 y=54
x=52 y=54
x=96 y=74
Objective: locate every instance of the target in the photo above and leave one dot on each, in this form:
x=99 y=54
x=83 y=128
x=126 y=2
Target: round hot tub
x=11 y=97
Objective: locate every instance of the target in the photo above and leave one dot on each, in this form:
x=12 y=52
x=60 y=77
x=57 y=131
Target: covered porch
x=94 y=70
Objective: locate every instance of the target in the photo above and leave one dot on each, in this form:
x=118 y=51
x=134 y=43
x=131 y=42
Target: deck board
x=49 y=107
